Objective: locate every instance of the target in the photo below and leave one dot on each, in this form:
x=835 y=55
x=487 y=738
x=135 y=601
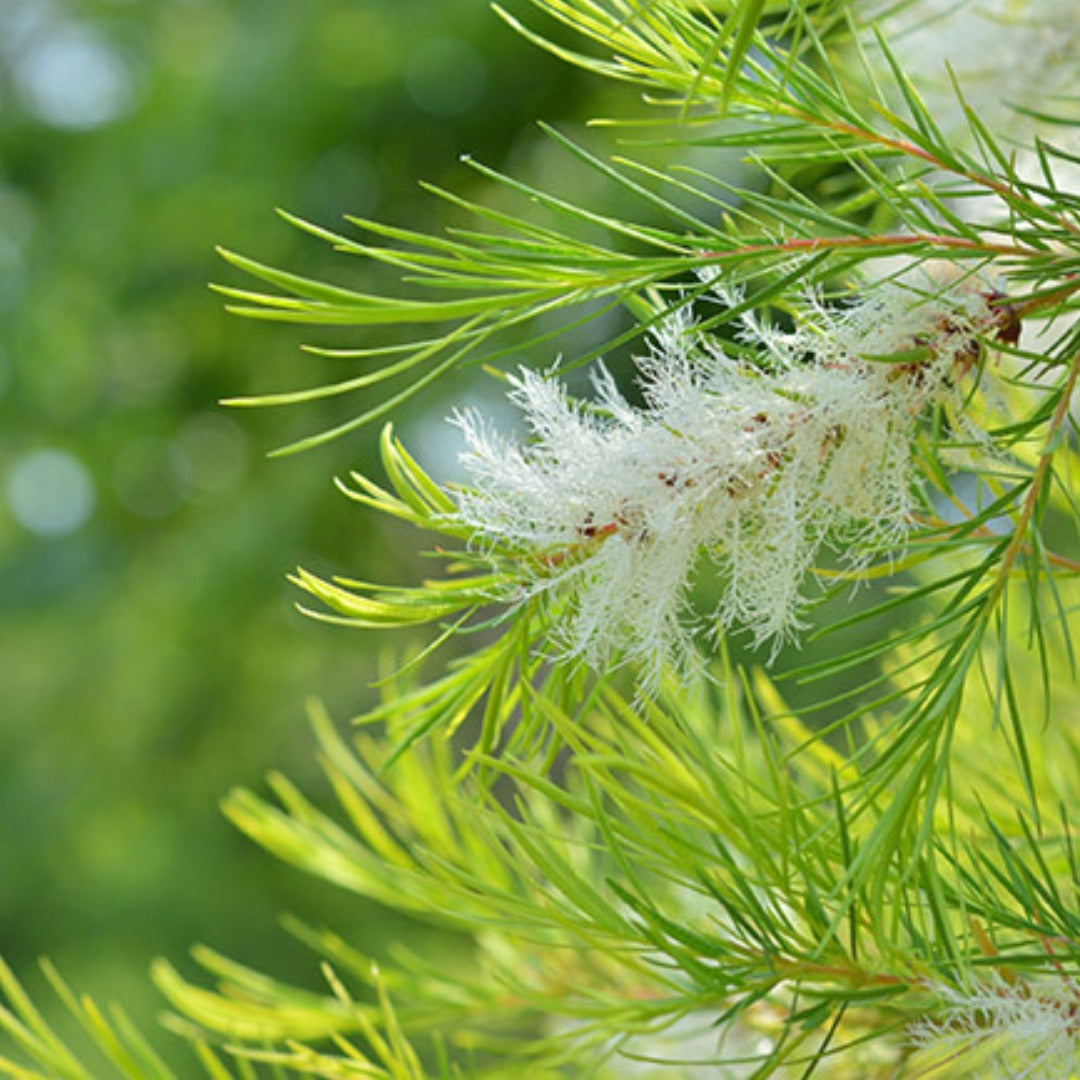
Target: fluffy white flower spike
x=754 y=461
x=1003 y=1032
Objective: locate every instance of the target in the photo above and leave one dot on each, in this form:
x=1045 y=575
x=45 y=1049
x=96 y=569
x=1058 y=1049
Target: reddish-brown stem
x=1052 y=557
x=815 y=970
x=852 y=975
x=1027 y=511
x=909 y=149
x=846 y=243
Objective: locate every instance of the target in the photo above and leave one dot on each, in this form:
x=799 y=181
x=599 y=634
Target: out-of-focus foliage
x=149 y=655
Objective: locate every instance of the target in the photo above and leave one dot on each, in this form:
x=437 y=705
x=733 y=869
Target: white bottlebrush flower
x=1013 y=60
x=1002 y=1032
x=1006 y=55
x=753 y=457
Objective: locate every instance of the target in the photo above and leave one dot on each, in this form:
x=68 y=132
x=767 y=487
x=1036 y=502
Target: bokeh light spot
x=50 y=492
x=70 y=77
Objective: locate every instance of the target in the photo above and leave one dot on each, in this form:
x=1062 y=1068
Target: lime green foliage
x=117 y=1048
x=860 y=865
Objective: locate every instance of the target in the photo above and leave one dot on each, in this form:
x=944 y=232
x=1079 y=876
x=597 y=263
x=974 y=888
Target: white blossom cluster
x=754 y=456
x=1006 y=55
x=1014 y=61
x=1004 y=1032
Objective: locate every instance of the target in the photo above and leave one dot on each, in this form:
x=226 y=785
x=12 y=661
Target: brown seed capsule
x=1006 y=317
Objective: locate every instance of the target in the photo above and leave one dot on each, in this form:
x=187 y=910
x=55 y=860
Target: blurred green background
x=150 y=656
